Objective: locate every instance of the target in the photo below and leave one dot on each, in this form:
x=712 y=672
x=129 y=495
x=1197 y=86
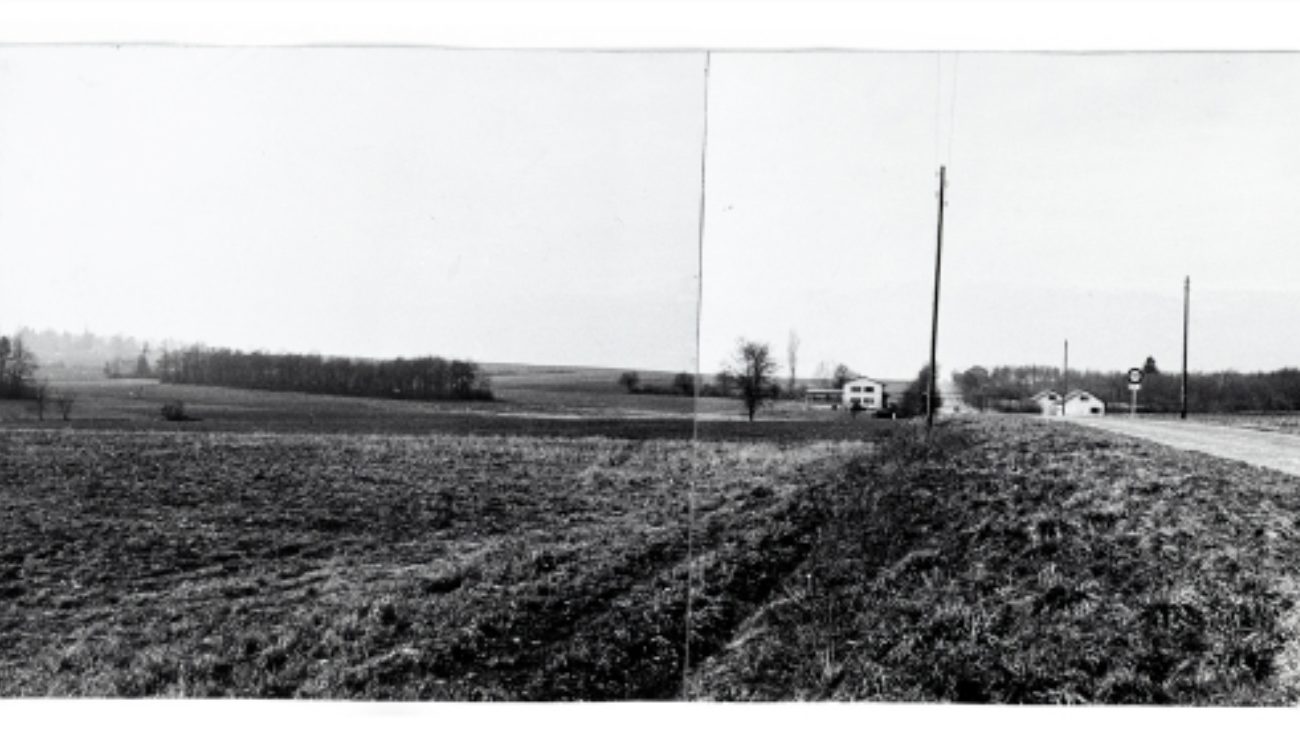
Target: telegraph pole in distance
x=1187 y=298
x=932 y=389
x=1065 y=376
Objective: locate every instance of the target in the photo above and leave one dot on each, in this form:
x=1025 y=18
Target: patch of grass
x=1017 y=561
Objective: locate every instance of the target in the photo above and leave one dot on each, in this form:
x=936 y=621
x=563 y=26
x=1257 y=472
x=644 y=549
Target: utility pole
x=932 y=389
x=1065 y=375
x=1187 y=297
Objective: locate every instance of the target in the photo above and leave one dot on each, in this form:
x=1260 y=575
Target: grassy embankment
x=1019 y=561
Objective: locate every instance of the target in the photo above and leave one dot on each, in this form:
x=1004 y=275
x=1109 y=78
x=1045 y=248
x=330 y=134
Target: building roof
x=1045 y=393
x=860 y=379
x=1076 y=393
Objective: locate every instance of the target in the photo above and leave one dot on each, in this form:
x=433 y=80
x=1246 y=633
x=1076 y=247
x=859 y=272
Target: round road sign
x=1135 y=375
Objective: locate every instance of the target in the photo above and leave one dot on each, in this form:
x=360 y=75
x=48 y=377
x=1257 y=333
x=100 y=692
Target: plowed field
x=435 y=567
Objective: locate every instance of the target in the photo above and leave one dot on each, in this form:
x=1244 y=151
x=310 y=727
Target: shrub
x=631 y=380
x=175 y=411
x=684 y=383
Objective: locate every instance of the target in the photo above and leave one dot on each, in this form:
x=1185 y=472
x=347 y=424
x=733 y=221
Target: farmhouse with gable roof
x=1081 y=403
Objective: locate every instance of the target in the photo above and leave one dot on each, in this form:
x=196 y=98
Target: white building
x=1049 y=402
x=866 y=393
x=1076 y=403
x=1082 y=403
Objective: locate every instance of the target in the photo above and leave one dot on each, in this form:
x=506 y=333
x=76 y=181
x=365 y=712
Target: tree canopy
x=751 y=370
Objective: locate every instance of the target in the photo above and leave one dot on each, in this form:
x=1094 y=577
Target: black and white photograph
x=700 y=373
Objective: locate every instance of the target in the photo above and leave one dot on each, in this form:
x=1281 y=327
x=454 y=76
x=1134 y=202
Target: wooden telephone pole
x=1065 y=374
x=1187 y=297
x=932 y=388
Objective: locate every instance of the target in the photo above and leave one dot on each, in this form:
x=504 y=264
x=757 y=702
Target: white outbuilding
x=1049 y=402
x=1075 y=403
x=1082 y=403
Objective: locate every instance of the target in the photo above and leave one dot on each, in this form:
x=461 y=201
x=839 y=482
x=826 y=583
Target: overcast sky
x=1082 y=189
x=543 y=207
x=521 y=207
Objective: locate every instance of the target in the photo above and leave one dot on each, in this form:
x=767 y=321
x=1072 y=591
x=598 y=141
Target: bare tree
x=916 y=398
x=843 y=374
x=40 y=396
x=142 y=369
x=792 y=359
x=64 y=402
x=751 y=369
x=822 y=374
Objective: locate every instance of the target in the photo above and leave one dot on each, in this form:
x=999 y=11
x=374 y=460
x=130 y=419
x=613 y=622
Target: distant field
x=436 y=567
x=536 y=404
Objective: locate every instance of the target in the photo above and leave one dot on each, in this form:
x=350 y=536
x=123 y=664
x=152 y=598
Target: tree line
x=18 y=365
x=67 y=355
x=425 y=379
x=17 y=368
x=1009 y=388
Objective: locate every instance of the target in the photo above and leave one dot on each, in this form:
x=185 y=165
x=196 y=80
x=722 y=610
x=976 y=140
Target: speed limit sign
x=1134 y=384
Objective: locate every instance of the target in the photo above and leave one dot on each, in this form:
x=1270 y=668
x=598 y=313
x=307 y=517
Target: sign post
x=1134 y=385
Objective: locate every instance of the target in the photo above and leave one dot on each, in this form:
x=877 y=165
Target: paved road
x=1264 y=449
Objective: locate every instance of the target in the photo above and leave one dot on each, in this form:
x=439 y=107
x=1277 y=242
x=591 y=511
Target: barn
x=1082 y=403
x=1076 y=403
x=1049 y=402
